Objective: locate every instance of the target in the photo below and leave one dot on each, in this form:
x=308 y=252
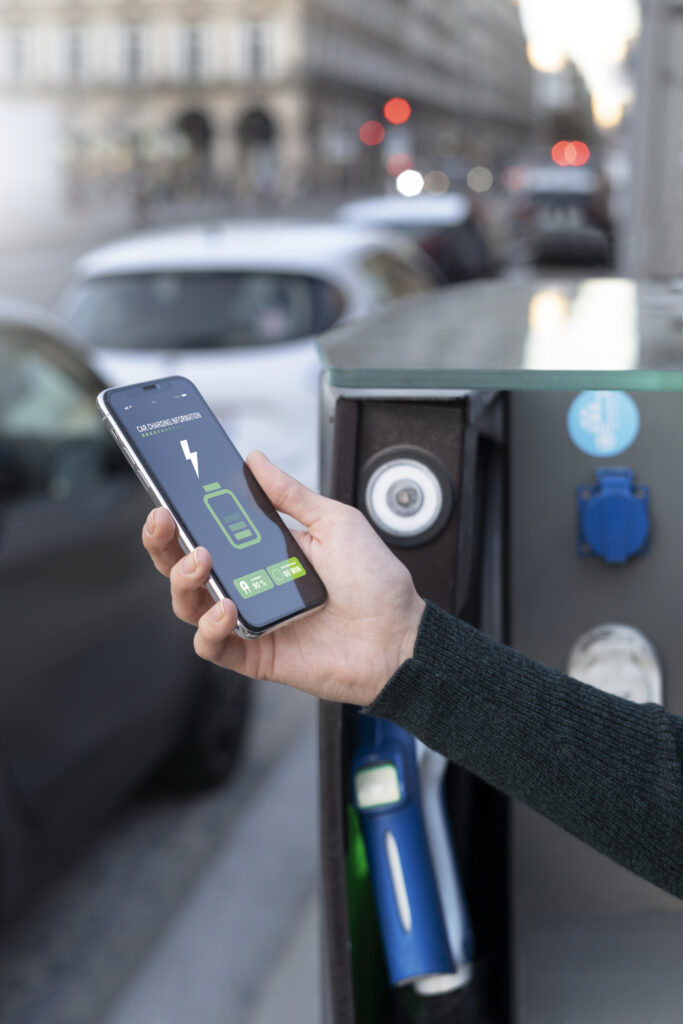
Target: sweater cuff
x=433 y=655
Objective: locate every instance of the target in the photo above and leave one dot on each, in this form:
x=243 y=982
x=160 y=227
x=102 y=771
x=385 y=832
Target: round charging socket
x=407 y=494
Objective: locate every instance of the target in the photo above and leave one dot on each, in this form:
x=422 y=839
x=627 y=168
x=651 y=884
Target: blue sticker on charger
x=603 y=423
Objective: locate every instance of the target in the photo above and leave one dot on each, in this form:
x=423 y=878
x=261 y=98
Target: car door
x=96 y=673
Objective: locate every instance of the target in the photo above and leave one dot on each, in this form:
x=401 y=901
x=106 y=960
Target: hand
x=347 y=650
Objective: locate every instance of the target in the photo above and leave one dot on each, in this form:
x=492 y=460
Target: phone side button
x=214 y=590
x=142 y=480
x=154 y=498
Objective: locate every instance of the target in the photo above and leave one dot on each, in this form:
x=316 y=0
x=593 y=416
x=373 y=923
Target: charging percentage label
x=284 y=572
x=253 y=583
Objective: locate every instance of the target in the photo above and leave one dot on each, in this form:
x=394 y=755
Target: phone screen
x=216 y=500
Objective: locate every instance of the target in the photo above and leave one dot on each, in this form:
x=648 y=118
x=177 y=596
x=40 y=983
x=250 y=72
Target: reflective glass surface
x=553 y=334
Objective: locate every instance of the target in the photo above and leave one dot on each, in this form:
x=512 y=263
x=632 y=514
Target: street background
x=205 y=908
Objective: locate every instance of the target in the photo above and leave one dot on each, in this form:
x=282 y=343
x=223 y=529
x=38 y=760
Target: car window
x=390 y=277
x=51 y=437
x=202 y=310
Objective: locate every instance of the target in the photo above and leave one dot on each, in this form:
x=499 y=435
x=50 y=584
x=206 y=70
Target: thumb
x=286 y=493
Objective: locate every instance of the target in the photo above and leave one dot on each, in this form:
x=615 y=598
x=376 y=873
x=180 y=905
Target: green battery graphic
x=226 y=509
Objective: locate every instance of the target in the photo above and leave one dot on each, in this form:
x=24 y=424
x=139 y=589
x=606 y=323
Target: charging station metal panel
x=459 y=568
x=593 y=941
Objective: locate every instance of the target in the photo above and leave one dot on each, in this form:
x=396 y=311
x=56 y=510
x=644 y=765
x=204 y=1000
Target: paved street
x=201 y=910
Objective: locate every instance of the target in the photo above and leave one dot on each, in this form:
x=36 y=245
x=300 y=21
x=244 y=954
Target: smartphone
x=187 y=463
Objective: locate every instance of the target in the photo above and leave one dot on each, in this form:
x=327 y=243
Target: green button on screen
x=284 y=572
x=253 y=583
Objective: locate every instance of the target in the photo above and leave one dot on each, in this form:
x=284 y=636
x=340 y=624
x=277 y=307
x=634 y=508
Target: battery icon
x=230 y=515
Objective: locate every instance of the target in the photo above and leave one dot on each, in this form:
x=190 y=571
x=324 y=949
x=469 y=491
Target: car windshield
x=201 y=310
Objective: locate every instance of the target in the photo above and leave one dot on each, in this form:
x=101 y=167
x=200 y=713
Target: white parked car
x=236 y=308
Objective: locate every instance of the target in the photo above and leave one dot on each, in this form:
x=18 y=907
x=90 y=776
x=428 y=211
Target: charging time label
x=283 y=572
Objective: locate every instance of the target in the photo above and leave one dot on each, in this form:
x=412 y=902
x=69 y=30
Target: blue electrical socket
x=614 y=517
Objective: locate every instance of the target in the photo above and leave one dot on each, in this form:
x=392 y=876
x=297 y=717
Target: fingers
x=286 y=493
x=160 y=540
x=188 y=576
x=188 y=573
x=215 y=640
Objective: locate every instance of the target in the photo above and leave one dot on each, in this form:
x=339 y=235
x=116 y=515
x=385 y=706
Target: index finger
x=287 y=494
x=160 y=539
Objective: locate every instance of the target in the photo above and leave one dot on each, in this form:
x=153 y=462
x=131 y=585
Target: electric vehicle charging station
x=517 y=446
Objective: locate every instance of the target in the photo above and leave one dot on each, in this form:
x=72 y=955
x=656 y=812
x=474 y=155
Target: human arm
x=608 y=771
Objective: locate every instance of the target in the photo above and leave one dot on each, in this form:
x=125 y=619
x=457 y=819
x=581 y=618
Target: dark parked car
x=445 y=226
x=563 y=214
x=99 y=686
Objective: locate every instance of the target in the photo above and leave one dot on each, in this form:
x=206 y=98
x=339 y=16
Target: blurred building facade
x=264 y=98
x=561 y=105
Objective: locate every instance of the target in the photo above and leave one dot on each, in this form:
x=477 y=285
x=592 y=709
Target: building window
x=193 y=51
x=257 y=55
x=17 y=54
x=75 y=54
x=132 y=52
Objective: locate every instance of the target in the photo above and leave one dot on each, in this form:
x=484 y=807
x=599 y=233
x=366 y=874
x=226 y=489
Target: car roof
x=268 y=245
x=552 y=178
x=18 y=313
x=451 y=208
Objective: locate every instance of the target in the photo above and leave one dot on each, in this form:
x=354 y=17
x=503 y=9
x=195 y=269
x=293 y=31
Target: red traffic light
x=570 y=154
x=371 y=133
x=397 y=110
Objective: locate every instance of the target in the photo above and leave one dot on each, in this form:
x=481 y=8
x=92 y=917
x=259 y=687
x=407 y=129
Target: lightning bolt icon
x=192 y=456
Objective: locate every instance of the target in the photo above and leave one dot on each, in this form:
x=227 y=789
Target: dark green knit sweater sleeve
x=605 y=769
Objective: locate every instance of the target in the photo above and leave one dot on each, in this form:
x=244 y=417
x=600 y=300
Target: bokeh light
x=397 y=163
x=437 y=183
x=546 y=55
x=548 y=310
x=371 y=133
x=480 y=179
x=409 y=183
x=594 y=36
x=397 y=110
x=570 y=154
x=608 y=109
x=514 y=177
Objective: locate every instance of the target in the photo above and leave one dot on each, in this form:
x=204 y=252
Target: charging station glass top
x=517 y=335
